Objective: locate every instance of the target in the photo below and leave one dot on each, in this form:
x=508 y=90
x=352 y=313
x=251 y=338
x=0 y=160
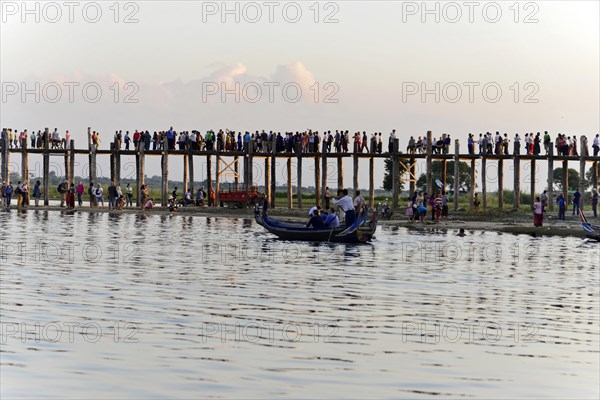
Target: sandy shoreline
x=516 y=224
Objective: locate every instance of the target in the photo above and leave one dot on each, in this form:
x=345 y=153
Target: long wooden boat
x=591 y=231
x=361 y=231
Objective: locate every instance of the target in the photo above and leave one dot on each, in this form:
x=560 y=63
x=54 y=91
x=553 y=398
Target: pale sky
x=376 y=51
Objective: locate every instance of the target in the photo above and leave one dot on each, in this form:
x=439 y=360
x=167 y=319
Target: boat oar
x=331 y=232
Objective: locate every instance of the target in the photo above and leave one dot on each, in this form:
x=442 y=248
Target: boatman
x=344 y=202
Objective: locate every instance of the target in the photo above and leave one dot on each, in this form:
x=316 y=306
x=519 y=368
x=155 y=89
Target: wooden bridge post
x=72 y=160
x=483 y=182
x=323 y=169
x=190 y=165
x=186 y=171
x=218 y=177
x=395 y=174
x=92 y=157
x=165 y=171
x=273 y=172
x=413 y=183
x=456 y=173
x=371 y=182
x=140 y=166
x=113 y=147
x=473 y=184
x=290 y=195
x=236 y=168
x=565 y=171
x=595 y=175
x=68 y=176
x=209 y=180
x=24 y=162
x=532 y=183
x=299 y=179
x=516 y=182
x=340 y=171
x=500 y=183
x=268 y=160
x=444 y=172
x=46 y=177
x=429 y=166
x=318 y=180
x=117 y=153
x=5 y=155
x=551 y=177
x=25 y=166
x=582 y=158
x=250 y=172
x=355 y=160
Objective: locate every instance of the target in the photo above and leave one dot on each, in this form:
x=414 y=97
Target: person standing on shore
x=576 y=199
x=37 y=192
x=562 y=206
x=129 y=194
x=211 y=200
x=595 y=202
x=112 y=196
x=437 y=206
x=2 y=194
x=99 y=193
x=445 y=205
x=80 y=190
x=20 y=194
x=62 y=189
x=410 y=211
x=143 y=195
x=476 y=202
x=544 y=200
x=596 y=145
x=327 y=197
x=92 y=194
x=200 y=197
x=8 y=192
x=538 y=213
x=71 y=196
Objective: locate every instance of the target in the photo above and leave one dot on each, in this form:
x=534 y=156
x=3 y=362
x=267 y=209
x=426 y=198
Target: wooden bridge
x=227 y=164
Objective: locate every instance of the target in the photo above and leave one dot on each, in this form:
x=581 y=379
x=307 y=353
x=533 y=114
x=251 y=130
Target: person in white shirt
x=596 y=145
x=517 y=141
x=346 y=205
x=359 y=203
x=312 y=210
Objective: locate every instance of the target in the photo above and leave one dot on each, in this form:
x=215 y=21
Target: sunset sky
x=358 y=71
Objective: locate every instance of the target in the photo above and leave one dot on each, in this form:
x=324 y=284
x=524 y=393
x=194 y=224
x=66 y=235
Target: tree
x=557 y=178
x=387 y=177
x=590 y=178
x=464 y=176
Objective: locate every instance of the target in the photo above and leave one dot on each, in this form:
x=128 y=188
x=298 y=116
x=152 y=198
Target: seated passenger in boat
x=315 y=221
x=332 y=220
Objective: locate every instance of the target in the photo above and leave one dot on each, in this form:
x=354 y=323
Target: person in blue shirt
x=560 y=200
x=576 y=198
x=331 y=219
x=8 y=192
x=315 y=221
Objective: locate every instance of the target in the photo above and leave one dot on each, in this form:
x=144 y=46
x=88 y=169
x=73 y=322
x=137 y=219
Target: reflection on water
x=141 y=306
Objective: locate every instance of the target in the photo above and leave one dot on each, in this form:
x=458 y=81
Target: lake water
x=139 y=306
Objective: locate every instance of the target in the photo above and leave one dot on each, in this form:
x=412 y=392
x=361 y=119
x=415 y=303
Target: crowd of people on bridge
x=309 y=141
x=36 y=140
